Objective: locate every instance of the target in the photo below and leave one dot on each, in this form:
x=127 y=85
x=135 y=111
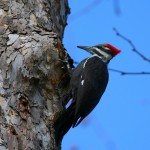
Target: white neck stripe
x=89 y=58
x=104 y=56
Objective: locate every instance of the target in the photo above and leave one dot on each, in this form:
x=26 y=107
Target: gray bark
x=33 y=74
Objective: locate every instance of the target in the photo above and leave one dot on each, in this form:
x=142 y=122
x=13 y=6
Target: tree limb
x=132 y=45
x=129 y=73
x=86 y=9
x=117 y=9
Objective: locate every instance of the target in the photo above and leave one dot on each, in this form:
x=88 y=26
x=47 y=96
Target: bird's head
x=105 y=51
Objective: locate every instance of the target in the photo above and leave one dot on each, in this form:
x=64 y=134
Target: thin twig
x=87 y=9
x=129 y=73
x=132 y=45
x=117 y=7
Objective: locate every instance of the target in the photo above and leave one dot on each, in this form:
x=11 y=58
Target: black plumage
x=84 y=97
x=88 y=83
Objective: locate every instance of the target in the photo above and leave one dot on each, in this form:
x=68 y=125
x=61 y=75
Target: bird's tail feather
x=64 y=123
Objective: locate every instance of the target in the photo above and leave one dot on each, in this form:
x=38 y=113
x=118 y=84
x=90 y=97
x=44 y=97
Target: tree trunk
x=34 y=77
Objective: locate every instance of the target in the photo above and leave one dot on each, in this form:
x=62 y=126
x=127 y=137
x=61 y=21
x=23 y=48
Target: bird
x=88 y=83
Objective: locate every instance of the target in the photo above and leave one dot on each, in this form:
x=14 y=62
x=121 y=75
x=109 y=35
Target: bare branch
x=129 y=73
x=117 y=7
x=85 y=10
x=132 y=45
x=88 y=8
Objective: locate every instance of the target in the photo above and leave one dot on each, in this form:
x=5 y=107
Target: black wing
x=91 y=86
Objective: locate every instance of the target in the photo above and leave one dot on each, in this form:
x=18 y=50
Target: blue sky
x=121 y=121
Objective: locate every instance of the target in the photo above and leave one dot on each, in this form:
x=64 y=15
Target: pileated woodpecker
x=88 y=83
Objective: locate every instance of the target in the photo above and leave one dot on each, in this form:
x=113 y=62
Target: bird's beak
x=86 y=48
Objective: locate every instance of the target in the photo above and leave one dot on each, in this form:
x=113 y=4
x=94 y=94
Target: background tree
x=33 y=72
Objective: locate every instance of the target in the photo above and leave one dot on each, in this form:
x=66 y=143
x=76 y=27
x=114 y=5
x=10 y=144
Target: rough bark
x=33 y=73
